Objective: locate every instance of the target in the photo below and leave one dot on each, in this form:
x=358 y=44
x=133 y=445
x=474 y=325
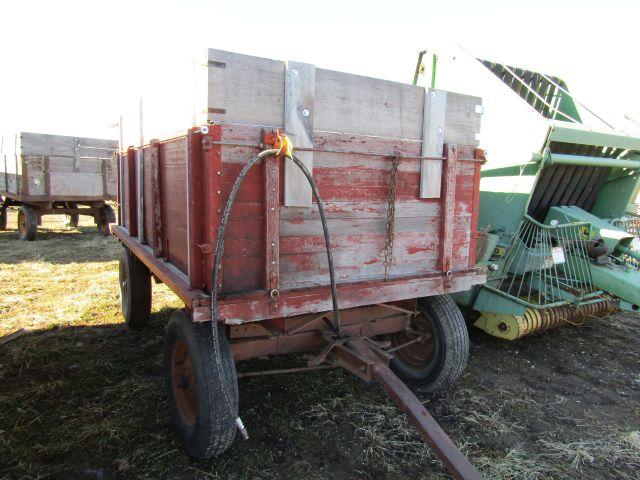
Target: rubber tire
x=214 y=428
x=74 y=218
x=135 y=294
x=104 y=218
x=452 y=352
x=3 y=218
x=31 y=218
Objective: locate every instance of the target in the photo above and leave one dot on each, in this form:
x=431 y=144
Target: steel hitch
x=362 y=357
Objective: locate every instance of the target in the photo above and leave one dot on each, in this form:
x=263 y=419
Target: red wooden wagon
x=397 y=171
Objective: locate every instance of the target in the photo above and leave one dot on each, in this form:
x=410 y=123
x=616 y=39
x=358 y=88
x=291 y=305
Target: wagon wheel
x=432 y=354
x=72 y=218
x=3 y=217
x=105 y=216
x=27 y=223
x=135 y=290
x=202 y=419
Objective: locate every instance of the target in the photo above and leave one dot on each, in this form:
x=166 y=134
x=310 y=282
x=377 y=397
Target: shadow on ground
x=88 y=402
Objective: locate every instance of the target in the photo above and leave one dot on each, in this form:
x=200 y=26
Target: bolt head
x=306 y=112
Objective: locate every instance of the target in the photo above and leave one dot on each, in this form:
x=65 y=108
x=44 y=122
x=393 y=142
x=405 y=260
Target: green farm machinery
x=558 y=227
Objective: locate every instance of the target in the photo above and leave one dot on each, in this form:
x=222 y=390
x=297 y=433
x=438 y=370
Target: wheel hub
x=183 y=383
x=416 y=345
x=22 y=223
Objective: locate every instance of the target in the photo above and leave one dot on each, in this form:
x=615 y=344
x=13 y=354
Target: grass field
x=81 y=396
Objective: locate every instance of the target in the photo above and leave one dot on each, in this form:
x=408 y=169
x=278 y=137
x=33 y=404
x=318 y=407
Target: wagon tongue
x=362 y=357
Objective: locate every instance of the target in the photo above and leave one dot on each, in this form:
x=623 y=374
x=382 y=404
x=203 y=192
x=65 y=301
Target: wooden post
x=25 y=174
x=194 y=210
x=448 y=206
x=272 y=224
x=76 y=155
x=140 y=177
x=212 y=183
x=105 y=173
x=139 y=191
x=120 y=167
x=474 y=214
x=47 y=176
x=131 y=198
x=156 y=193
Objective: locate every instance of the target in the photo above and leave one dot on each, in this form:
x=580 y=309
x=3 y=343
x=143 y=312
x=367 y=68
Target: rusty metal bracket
x=206 y=248
x=366 y=360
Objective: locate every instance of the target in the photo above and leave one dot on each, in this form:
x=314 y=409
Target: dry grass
x=65 y=277
x=82 y=397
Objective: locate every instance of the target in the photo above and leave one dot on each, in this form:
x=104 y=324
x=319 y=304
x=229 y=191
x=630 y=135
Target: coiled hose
x=335 y=326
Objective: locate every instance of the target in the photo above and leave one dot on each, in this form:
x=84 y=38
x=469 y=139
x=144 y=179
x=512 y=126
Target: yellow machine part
x=512 y=327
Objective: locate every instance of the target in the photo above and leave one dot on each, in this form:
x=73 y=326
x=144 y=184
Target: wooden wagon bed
x=37 y=167
x=348 y=129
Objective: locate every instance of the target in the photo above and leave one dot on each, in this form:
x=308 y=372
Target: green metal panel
x=598 y=228
x=562 y=159
x=491 y=301
x=618 y=193
x=582 y=136
x=623 y=282
x=502 y=211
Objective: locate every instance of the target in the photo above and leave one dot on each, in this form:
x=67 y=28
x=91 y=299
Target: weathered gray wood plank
x=462 y=119
x=61 y=145
x=75 y=166
x=86 y=184
x=245 y=89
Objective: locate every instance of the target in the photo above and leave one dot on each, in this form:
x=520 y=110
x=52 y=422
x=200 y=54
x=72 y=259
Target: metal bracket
x=435 y=105
x=299 y=93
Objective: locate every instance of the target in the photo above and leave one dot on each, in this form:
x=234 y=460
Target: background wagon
x=397 y=170
x=55 y=174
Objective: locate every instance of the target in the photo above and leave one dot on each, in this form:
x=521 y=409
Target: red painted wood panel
x=244 y=253
x=354 y=187
x=173 y=177
x=130 y=201
x=352 y=174
x=148 y=198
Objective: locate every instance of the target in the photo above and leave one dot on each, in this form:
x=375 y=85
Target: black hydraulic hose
x=219 y=250
x=223 y=225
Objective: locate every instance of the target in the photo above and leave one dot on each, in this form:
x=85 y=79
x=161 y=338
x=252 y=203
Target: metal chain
x=391 y=214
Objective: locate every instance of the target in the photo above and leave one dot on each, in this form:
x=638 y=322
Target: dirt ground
x=81 y=396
